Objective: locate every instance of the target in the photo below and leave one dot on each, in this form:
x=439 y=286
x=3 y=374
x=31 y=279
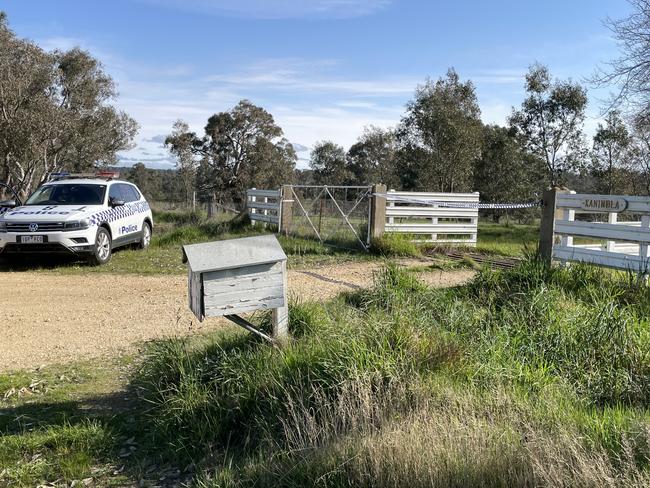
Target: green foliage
x=507 y=240
x=237 y=390
x=242 y=148
x=372 y=158
x=535 y=376
x=504 y=172
x=56 y=452
x=582 y=326
x=487 y=385
x=395 y=245
x=609 y=153
x=329 y=163
x=440 y=136
x=549 y=123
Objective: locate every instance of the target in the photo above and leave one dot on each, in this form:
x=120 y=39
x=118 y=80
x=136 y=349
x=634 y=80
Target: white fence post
x=570 y=216
x=434 y=222
x=253 y=209
x=611 y=219
x=266 y=211
x=643 y=248
x=474 y=221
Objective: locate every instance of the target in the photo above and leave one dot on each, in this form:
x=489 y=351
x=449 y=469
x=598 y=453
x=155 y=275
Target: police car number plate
x=32 y=239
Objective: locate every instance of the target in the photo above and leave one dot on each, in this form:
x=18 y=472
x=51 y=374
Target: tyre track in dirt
x=48 y=319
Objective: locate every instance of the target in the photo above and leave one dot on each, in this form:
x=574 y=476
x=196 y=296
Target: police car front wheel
x=102 y=251
x=145 y=240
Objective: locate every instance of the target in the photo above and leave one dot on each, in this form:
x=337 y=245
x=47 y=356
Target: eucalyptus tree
x=638 y=156
x=186 y=161
x=241 y=147
x=505 y=171
x=609 y=153
x=439 y=137
x=372 y=158
x=55 y=112
x=329 y=163
x=550 y=121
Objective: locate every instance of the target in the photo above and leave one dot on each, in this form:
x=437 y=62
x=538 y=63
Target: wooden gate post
x=377 y=212
x=550 y=214
x=286 y=210
x=210 y=207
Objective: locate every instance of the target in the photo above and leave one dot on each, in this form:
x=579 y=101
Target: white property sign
x=604 y=205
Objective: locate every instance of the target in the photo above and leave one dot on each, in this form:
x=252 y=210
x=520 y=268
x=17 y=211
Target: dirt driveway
x=46 y=318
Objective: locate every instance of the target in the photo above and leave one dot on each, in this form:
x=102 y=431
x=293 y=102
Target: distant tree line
x=157 y=185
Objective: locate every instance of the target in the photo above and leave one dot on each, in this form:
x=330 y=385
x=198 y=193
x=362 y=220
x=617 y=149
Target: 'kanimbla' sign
x=605 y=205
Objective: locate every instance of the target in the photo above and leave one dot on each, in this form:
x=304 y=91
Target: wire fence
x=335 y=215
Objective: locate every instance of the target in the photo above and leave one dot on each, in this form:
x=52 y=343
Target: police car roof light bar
x=64 y=175
x=108 y=174
x=69 y=176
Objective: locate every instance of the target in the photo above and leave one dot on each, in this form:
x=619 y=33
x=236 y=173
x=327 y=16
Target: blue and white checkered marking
x=117 y=213
x=3 y=210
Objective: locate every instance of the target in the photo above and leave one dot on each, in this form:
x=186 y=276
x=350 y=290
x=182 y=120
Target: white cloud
x=278 y=9
x=308 y=76
x=300 y=148
x=303 y=82
x=159 y=139
x=495 y=112
x=499 y=77
x=59 y=43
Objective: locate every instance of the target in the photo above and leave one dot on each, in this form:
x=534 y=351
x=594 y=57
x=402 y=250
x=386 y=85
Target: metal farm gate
x=335 y=215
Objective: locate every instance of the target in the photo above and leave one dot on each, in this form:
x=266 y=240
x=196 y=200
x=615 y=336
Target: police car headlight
x=77 y=224
x=3 y=226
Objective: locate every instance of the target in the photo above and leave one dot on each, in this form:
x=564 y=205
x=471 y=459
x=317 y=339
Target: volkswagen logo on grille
x=33 y=227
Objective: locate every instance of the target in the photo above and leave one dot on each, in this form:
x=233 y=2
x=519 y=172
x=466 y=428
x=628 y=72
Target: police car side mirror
x=8 y=203
x=117 y=203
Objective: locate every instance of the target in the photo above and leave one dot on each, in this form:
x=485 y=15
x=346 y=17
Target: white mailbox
x=236 y=276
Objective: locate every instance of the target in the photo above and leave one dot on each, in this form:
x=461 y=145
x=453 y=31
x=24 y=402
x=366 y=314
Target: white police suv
x=88 y=215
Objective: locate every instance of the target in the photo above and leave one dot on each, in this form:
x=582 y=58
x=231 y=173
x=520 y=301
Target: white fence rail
x=617 y=244
x=422 y=215
x=264 y=205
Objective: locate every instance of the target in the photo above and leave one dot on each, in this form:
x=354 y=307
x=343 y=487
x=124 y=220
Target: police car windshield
x=68 y=194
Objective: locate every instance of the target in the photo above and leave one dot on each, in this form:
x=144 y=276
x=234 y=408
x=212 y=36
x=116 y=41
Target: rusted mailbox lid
x=233 y=253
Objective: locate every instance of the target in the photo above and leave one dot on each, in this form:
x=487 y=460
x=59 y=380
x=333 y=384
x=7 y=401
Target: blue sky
x=323 y=68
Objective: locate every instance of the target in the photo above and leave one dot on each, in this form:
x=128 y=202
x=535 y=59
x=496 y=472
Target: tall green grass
x=535 y=376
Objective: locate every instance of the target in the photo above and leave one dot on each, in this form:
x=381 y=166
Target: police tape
x=480 y=206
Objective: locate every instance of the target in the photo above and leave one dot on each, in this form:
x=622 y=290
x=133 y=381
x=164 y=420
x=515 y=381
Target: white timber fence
x=444 y=218
x=264 y=205
x=607 y=232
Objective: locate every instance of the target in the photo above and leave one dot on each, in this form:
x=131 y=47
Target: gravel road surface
x=47 y=318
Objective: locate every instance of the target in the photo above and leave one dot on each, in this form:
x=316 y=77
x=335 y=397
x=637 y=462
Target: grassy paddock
x=507 y=239
x=531 y=377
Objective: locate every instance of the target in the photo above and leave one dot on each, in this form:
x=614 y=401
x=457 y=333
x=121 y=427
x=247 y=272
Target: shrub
x=395 y=245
